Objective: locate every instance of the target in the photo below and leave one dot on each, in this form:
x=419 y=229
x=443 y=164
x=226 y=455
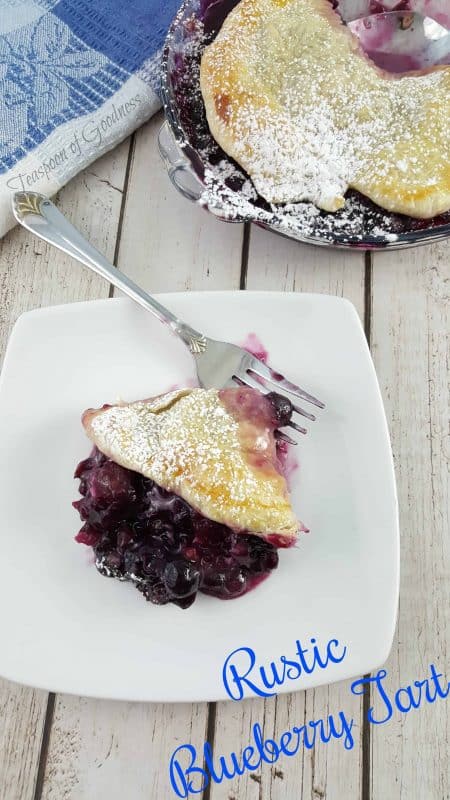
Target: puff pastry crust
x=291 y=96
x=188 y=442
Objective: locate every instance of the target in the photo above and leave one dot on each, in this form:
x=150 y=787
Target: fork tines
x=257 y=367
x=255 y=376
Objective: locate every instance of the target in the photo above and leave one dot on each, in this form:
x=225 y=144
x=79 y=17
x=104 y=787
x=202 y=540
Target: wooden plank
x=106 y=749
x=168 y=243
x=280 y=264
x=33 y=274
x=326 y=771
x=410 y=334
x=22 y=723
x=100 y=749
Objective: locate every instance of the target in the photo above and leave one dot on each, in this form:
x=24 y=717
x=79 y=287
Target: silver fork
x=218 y=364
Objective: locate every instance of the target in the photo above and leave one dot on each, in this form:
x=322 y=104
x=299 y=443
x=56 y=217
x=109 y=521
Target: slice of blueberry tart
x=185 y=492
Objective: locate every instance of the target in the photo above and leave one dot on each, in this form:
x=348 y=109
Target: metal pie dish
x=203 y=172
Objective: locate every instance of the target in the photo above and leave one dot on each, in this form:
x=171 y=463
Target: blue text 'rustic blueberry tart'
x=185 y=492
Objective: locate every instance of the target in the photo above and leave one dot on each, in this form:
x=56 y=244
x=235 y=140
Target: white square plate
x=65 y=628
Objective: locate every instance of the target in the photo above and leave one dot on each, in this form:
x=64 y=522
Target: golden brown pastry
x=215 y=449
x=291 y=96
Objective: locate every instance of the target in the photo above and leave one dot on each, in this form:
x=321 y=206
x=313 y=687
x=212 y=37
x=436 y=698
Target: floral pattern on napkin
x=76 y=77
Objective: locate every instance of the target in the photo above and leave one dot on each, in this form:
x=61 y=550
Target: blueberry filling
x=282 y=409
x=144 y=534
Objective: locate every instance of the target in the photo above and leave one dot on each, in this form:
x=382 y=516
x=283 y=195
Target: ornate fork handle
x=40 y=216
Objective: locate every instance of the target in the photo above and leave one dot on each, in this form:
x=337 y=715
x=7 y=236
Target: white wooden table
x=71 y=748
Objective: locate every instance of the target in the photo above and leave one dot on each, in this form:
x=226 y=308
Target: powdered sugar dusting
x=357 y=219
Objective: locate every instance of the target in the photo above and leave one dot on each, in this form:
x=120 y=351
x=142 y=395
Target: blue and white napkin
x=76 y=77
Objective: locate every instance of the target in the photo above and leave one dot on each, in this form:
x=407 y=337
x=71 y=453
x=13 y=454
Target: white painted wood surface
x=96 y=749
x=410 y=342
